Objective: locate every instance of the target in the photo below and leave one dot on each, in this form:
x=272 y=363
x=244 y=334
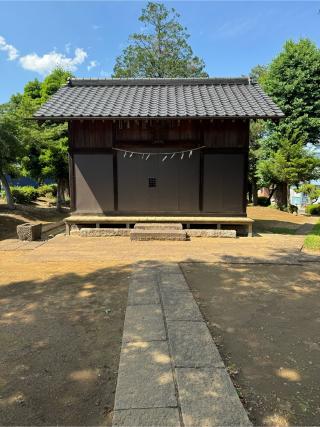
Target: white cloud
x=12 y=52
x=96 y=27
x=92 y=64
x=46 y=63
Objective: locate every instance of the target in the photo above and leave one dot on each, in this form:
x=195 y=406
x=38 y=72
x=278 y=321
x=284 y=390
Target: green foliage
x=24 y=195
x=53 y=82
x=256 y=135
x=33 y=89
x=285 y=162
x=263 y=201
x=293 y=82
x=11 y=147
x=310 y=190
x=161 y=49
x=47 y=190
x=38 y=150
x=313 y=209
x=258 y=73
x=54 y=156
x=312 y=241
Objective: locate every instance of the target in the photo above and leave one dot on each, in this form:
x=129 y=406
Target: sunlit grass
x=312 y=241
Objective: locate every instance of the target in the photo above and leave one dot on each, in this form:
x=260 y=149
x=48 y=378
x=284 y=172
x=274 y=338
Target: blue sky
x=231 y=37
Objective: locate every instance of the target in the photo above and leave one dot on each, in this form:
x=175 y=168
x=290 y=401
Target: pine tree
x=161 y=49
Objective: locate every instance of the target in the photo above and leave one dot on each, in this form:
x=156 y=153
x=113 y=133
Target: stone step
x=164 y=234
x=157 y=226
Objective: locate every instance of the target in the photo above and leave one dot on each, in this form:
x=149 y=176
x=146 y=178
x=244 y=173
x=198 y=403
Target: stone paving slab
x=174 y=282
x=169 y=268
x=180 y=306
x=152 y=355
x=208 y=398
x=144 y=274
x=143 y=323
x=143 y=291
x=145 y=378
x=192 y=346
x=154 y=417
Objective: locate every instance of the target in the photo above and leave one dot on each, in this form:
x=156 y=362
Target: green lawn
x=312 y=241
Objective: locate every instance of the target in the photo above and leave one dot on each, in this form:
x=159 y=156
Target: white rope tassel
x=166 y=155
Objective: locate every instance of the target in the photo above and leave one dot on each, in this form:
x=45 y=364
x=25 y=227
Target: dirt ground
x=39 y=211
x=265 y=320
x=272 y=220
x=62 y=305
x=60 y=333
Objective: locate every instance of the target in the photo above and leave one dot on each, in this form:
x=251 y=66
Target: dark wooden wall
x=98 y=134
x=108 y=183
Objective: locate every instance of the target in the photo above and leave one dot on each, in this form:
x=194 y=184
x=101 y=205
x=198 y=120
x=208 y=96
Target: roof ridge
x=151 y=81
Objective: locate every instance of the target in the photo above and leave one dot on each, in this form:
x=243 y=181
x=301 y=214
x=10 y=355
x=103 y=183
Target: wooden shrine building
x=164 y=148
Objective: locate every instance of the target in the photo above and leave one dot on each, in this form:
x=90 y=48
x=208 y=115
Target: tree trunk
x=254 y=193
x=60 y=195
x=7 y=190
x=281 y=195
x=288 y=195
x=249 y=192
x=271 y=193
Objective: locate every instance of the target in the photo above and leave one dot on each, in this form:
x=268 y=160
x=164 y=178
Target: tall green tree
x=256 y=135
x=10 y=151
x=293 y=81
x=54 y=153
x=45 y=147
x=312 y=191
x=290 y=164
x=161 y=49
x=258 y=130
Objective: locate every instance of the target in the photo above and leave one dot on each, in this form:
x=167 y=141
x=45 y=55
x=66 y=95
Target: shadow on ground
x=60 y=343
x=61 y=327
x=265 y=321
x=282 y=227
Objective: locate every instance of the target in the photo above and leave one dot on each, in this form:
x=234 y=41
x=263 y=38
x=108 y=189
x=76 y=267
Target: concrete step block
x=104 y=232
x=158 y=235
x=157 y=226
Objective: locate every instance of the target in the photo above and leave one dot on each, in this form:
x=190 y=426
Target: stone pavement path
x=170 y=371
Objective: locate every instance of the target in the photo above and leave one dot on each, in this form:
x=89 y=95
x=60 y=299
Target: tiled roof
x=130 y=98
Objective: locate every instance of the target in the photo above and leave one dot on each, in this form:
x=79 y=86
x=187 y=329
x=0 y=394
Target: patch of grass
x=312 y=241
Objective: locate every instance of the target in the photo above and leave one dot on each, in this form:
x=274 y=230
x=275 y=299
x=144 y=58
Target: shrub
x=313 y=209
x=263 y=201
x=47 y=190
x=25 y=194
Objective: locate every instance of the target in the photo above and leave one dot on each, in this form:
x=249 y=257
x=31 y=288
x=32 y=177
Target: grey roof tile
x=116 y=98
